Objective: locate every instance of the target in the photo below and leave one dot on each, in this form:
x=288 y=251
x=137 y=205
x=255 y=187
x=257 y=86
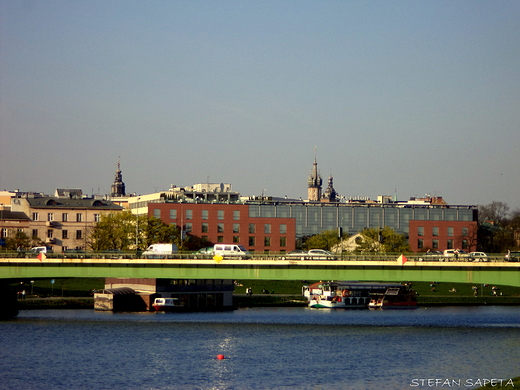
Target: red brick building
x=229 y=223
x=441 y=235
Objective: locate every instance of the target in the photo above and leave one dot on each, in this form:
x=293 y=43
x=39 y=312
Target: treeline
x=499 y=228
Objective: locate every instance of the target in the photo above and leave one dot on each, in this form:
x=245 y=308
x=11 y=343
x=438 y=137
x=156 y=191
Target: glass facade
x=313 y=218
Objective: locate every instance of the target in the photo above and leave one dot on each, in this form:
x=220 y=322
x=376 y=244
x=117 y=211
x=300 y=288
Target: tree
x=120 y=230
x=324 y=240
x=113 y=231
x=153 y=230
x=19 y=239
x=495 y=212
x=383 y=240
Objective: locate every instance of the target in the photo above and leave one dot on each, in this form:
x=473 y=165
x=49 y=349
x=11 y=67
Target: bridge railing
x=390 y=257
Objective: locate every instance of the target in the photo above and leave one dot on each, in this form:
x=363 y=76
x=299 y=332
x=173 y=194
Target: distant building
x=314 y=184
x=118 y=187
x=59 y=222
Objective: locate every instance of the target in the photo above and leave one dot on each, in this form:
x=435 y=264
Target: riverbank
x=268 y=300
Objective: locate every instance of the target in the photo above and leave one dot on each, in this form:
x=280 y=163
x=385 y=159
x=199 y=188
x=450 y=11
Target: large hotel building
x=266 y=224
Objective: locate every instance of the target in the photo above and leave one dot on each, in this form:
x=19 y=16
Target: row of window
x=64 y=217
x=188 y=214
x=252 y=228
x=436 y=244
x=50 y=233
x=252 y=241
x=450 y=231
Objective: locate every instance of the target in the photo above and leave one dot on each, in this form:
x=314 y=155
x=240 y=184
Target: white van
x=159 y=251
x=231 y=250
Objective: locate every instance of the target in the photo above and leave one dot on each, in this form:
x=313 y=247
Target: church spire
x=314 y=182
x=118 y=187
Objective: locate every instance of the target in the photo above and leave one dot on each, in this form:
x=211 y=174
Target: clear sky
x=413 y=97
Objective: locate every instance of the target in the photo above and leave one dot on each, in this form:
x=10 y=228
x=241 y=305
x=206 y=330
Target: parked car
x=297 y=254
x=204 y=253
x=478 y=256
x=430 y=256
x=455 y=253
x=320 y=254
x=40 y=249
x=512 y=256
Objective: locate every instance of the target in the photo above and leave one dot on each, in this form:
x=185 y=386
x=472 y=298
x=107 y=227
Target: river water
x=264 y=348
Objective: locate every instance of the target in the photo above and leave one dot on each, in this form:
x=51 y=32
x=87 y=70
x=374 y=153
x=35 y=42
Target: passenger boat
x=167 y=304
x=394 y=298
x=344 y=294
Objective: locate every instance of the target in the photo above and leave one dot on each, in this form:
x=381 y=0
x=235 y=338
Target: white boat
x=167 y=304
x=345 y=294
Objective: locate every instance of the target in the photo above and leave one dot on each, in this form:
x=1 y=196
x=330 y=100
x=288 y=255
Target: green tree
x=385 y=240
x=153 y=230
x=113 y=231
x=324 y=240
x=19 y=239
x=120 y=230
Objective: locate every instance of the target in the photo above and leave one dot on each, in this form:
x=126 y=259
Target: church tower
x=118 y=187
x=330 y=194
x=315 y=181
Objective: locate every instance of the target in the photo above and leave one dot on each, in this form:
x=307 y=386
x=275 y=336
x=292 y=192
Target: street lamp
x=137 y=226
x=32 y=284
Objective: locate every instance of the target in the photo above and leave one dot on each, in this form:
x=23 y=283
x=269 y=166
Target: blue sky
x=413 y=97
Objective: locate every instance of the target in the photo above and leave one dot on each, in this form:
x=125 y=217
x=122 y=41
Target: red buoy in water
x=220 y=357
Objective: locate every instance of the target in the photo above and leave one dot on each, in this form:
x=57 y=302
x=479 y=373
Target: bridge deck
x=503 y=273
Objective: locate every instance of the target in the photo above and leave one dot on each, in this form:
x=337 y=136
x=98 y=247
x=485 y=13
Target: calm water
x=286 y=348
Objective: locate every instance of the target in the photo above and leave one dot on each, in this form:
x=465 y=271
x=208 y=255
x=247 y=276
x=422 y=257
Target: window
x=252 y=241
x=236 y=215
x=464 y=231
x=420 y=243
x=220 y=228
x=97 y=217
x=283 y=228
x=49 y=233
x=450 y=231
x=236 y=239
x=3 y=232
x=435 y=231
x=79 y=217
x=79 y=234
x=252 y=228
x=189 y=227
x=283 y=242
x=157 y=213
x=220 y=214
x=465 y=244
x=449 y=244
x=267 y=228
x=35 y=233
x=189 y=214
x=420 y=231
x=64 y=217
x=205 y=227
x=236 y=228
x=50 y=216
x=205 y=214
x=435 y=244
x=267 y=241
x=64 y=234
x=173 y=214
x=220 y=239
x=35 y=217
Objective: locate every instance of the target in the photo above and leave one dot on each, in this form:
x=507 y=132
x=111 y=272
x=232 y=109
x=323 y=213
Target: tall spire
x=314 y=182
x=118 y=187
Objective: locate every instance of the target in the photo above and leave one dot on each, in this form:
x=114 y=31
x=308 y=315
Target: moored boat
x=344 y=294
x=394 y=298
x=167 y=304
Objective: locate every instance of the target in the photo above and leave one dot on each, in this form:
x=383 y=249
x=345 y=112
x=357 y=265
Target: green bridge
x=495 y=272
